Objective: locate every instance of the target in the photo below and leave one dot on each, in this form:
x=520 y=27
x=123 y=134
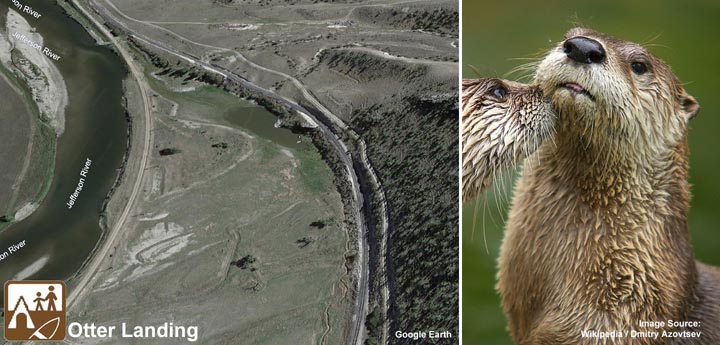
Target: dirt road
x=88 y=272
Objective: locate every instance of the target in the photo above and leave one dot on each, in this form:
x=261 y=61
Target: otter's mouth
x=577 y=89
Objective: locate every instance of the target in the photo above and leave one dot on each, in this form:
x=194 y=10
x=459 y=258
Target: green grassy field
x=315 y=174
x=499 y=36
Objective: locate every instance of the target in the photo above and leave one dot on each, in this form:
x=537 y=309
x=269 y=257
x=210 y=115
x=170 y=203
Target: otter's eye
x=500 y=92
x=638 y=67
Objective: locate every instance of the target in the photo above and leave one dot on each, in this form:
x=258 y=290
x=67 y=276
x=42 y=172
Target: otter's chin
x=569 y=103
x=569 y=94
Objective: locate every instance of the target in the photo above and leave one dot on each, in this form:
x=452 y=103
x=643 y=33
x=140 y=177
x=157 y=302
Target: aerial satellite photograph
x=230 y=171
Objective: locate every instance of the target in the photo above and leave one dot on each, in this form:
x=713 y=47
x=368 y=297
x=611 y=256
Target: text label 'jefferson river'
x=45 y=50
x=81 y=183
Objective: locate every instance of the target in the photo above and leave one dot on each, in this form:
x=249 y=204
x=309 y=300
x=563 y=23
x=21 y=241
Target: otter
x=597 y=237
x=502 y=123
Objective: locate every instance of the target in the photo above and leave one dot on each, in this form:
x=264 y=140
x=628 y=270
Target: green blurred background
x=499 y=35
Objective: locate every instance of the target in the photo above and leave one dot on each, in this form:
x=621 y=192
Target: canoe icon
x=47 y=330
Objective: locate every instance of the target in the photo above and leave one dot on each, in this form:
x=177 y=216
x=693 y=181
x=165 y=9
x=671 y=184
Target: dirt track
x=79 y=285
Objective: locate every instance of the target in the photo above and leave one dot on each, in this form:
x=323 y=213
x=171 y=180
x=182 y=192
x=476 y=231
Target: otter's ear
x=689 y=106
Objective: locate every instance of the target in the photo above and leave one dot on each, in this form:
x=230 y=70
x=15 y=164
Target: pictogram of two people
x=50 y=298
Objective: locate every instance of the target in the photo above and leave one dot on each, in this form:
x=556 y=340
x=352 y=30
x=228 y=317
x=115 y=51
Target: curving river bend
x=59 y=239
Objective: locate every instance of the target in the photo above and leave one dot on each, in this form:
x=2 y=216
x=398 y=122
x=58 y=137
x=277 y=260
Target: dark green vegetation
x=323 y=223
x=169 y=151
x=672 y=31
x=246 y=262
x=365 y=67
x=373 y=323
x=176 y=68
x=304 y=242
x=413 y=146
x=439 y=20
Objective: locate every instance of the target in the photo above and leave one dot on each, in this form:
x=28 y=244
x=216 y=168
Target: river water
x=58 y=239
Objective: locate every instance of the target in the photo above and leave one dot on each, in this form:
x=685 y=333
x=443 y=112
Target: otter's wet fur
x=597 y=237
x=502 y=123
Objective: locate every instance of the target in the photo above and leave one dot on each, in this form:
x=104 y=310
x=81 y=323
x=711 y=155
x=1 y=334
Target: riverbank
x=105 y=212
x=43 y=88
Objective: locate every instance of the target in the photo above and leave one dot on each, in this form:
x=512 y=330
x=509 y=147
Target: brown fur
x=597 y=237
x=499 y=132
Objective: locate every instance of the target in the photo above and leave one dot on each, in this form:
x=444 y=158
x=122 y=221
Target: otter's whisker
x=474 y=222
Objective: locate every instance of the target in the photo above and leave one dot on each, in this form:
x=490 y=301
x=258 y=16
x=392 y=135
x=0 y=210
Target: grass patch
x=315 y=174
x=267 y=150
x=42 y=161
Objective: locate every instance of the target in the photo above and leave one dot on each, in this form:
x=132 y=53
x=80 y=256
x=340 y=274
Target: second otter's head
x=502 y=123
x=608 y=88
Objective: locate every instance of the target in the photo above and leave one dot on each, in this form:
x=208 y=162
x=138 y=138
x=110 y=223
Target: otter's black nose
x=584 y=50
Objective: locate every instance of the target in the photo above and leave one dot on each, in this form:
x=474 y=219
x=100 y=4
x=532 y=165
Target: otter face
x=614 y=86
x=502 y=123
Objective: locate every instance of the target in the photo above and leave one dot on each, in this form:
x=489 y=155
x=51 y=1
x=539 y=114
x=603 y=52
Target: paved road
x=356 y=336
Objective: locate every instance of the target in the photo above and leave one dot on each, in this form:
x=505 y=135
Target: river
x=59 y=239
